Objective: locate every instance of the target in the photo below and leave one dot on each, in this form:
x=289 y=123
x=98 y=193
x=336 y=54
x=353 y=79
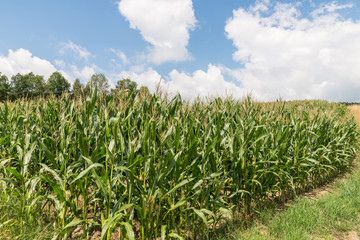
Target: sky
x=303 y=49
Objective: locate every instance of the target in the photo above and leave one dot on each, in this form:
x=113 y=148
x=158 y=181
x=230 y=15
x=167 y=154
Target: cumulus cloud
x=286 y=54
x=22 y=61
x=189 y=85
x=203 y=83
x=79 y=51
x=83 y=73
x=164 y=24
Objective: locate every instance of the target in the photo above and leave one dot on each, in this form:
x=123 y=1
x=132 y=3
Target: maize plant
x=148 y=167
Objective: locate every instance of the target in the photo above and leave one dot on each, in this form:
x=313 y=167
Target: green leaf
x=163 y=232
x=83 y=173
x=27 y=157
x=16 y=174
x=208 y=212
x=201 y=215
x=178 y=204
x=53 y=173
x=48 y=154
x=182 y=183
x=175 y=235
x=111 y=222
x=73 y=223
x=111 y=145
x=129 y=230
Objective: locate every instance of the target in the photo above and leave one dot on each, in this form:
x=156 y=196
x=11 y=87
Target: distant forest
x=32 y=86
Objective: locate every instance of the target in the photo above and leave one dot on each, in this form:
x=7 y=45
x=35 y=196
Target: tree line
x=31 y=86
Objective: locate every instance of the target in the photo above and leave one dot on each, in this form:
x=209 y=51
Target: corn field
x=148 y=167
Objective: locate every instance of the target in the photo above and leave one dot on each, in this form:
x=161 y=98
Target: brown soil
x=352 y=236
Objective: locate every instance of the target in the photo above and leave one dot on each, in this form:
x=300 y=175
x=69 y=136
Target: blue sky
x=290 y=49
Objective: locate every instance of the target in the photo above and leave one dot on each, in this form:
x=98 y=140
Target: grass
x=9 y=226
x=331 y=216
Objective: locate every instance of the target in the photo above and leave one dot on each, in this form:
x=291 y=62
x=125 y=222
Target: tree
x=4 y=87
x=57 y=84
x=77 y=89
x=20 y=86
x=28 y=85
x=100 y=81
x=144 y=91
x=86 y=90
x=38 y=85
x=125 y=85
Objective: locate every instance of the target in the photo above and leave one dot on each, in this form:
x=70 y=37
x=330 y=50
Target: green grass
x=9 y=224
x=331 y=216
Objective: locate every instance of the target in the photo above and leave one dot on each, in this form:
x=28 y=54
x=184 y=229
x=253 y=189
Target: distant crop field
x=355 y=110
x=147 y=167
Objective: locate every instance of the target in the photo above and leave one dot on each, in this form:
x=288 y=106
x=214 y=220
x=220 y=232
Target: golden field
x=355 y=110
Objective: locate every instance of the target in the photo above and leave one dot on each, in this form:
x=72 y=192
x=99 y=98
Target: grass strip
x=335 y=215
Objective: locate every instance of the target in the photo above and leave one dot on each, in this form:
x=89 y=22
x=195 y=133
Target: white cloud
x=72 y=71
x=203 y=84
x=83 y=73
x=22 y=61
x=285 y=54
x=189 y=85
x=79 y=51
x=121 y=55
x=330 y=8
x=59 y=63
x=164 y=24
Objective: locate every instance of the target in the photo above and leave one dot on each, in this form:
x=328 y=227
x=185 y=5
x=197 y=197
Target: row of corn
x=147 y=167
